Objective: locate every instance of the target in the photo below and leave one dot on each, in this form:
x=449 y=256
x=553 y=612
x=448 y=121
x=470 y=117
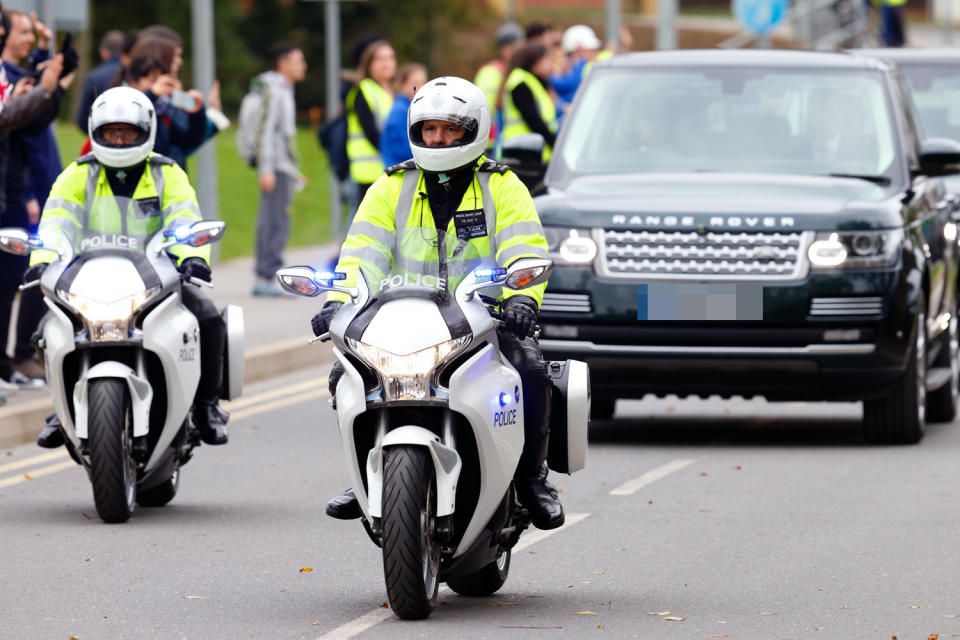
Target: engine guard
x=446 y=463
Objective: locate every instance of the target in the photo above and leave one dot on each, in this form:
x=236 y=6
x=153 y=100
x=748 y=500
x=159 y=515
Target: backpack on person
x=333 y=139
x=250 y=121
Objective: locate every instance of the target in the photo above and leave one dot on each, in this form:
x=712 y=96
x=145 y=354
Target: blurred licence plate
x=699 y=301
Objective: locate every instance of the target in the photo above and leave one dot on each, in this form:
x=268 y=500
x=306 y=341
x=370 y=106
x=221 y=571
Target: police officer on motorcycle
x=122 y=127
x=448 y=124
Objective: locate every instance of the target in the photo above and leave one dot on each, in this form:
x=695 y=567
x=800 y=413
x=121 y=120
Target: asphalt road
x=740 y=519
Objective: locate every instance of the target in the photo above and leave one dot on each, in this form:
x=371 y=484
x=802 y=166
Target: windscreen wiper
x=881 y=180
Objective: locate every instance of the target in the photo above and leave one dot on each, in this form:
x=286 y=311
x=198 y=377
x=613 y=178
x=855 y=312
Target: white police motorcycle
x=122 y=358
x=431 y=421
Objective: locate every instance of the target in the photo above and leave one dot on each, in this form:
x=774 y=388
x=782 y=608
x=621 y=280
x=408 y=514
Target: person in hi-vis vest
x=442 y=193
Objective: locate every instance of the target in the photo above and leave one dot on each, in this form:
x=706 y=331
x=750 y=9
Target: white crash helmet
x=128 y=106
x=579 y=36
x=452 y=100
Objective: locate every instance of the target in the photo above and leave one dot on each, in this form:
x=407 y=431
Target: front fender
x=446 y=464
x=141 y=394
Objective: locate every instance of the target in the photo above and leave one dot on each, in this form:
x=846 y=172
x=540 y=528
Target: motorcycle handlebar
x=29 y=285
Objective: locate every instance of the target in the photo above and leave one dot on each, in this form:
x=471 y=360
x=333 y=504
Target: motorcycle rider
x=447 y=124
x=122 y=126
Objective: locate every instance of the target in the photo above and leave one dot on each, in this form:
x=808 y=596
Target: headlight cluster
x=107 y=320
x=570 y=246
x=855 y=249
x=407 y=377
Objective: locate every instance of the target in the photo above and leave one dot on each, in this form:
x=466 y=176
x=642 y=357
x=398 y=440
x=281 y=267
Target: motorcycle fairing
x=140 y=396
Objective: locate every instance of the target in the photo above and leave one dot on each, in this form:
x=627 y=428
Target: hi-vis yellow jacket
x=366 y=164
x=495 y=224
x=82 y=211
x=513 y=123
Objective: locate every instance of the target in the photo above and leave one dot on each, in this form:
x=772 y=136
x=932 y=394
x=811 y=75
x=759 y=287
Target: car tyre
x=899 y=416
x=942 y=403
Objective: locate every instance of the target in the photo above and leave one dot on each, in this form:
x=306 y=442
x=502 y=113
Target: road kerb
x=21 y=422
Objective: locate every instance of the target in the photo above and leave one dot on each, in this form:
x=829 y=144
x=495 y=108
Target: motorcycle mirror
x=528 y=272
x=18 y=241
x=306 y=281
x=198 y=234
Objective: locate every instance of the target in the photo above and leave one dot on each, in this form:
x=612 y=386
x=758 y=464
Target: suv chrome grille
x=727 y=255
x=566 y=302
x=861 y=306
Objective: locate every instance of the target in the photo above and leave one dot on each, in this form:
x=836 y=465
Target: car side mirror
x=939 y=157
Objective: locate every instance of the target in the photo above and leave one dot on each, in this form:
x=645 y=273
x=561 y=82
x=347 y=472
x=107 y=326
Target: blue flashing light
x=328 y=277
x=505 y=399
x=488 y=275
x=182 y=233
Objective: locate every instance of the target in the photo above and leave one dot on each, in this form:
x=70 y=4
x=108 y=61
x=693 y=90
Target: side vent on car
x=566 y=302
x=862 y=306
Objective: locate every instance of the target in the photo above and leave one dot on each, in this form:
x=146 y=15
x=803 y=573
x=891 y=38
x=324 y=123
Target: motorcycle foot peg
x=376 y=527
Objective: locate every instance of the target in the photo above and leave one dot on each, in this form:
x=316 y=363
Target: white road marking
x=372 y=618
x=631 y=487
x=290 y=389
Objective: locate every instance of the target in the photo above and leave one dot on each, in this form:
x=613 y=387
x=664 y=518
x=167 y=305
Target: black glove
x=196 y=268
x=34 y=272
x=520 y=316
x=320 y=323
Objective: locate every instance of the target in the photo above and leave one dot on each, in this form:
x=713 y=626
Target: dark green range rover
x=755 y=223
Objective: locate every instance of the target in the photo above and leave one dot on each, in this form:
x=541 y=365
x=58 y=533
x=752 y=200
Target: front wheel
x=411 y=553
x=486 y=581
x=899 y=416
x=942 y=403
x=113 y=470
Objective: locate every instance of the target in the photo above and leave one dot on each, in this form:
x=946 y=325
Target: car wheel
x=942 y=403
x=899 y=416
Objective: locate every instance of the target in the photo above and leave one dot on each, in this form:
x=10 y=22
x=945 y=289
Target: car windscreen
x=936 y=92
x=742 y=120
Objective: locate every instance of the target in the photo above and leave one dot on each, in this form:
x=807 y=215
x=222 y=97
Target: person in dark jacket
x=101 y=78
x=33 y=163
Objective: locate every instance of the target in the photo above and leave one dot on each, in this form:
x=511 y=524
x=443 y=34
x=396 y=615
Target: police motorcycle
x=431 y=419
x=122 y=357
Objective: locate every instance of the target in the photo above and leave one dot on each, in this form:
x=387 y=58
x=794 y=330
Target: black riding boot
x=51 y=436
x=208 y=417
x=345 y=506
x=537 y=494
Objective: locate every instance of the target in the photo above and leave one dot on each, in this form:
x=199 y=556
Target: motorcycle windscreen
x=425 y=267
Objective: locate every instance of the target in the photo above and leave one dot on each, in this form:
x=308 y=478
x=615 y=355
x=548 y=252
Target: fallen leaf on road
x=658 y=613
x=704 y=473
x=720 y=635
x=916 y=606
x=315 y=623
x=306 y=570
x=738 y=468
x=384 y=606
x=933 y=636
x=597 y=573
x=649 y=501
x=569 y=586
x=74 y=638
x=674 y=619
x=861 y=553
x=28 y=476
x=500 y=603
x=599 y=626
x=818 y=628
x=86 y=559
x=446 y=604
x=769 y=613
x=950 y=615
x=586 y=613
x=819 y=588
x=192 y=598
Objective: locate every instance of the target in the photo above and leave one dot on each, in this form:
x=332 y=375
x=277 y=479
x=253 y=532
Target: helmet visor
x=118 y=136
x=451 y=111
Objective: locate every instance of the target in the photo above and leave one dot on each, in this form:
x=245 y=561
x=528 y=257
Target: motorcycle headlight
x=107 y=320
x=855 y=249
x=407 y=377
x=570 y=246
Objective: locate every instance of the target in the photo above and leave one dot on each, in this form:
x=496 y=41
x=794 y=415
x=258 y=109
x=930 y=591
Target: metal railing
x=820 y=25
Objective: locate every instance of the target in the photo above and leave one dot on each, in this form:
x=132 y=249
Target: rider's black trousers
x=213 y=332
x=527 y=359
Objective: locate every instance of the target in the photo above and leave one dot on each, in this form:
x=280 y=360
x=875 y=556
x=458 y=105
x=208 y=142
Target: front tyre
x=411 y=553
x=942 y=403
x=486 y=581
x=113 y=470
x=899 y=417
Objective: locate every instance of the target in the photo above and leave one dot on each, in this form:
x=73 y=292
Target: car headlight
x=407 y=377
x=855 y=249
x=570 y=246
x=107 y=320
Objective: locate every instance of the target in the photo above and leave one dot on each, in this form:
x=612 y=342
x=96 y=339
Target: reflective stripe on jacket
x=366 y=164
x=70 y=212
x=393 y=206
x=513 y=123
